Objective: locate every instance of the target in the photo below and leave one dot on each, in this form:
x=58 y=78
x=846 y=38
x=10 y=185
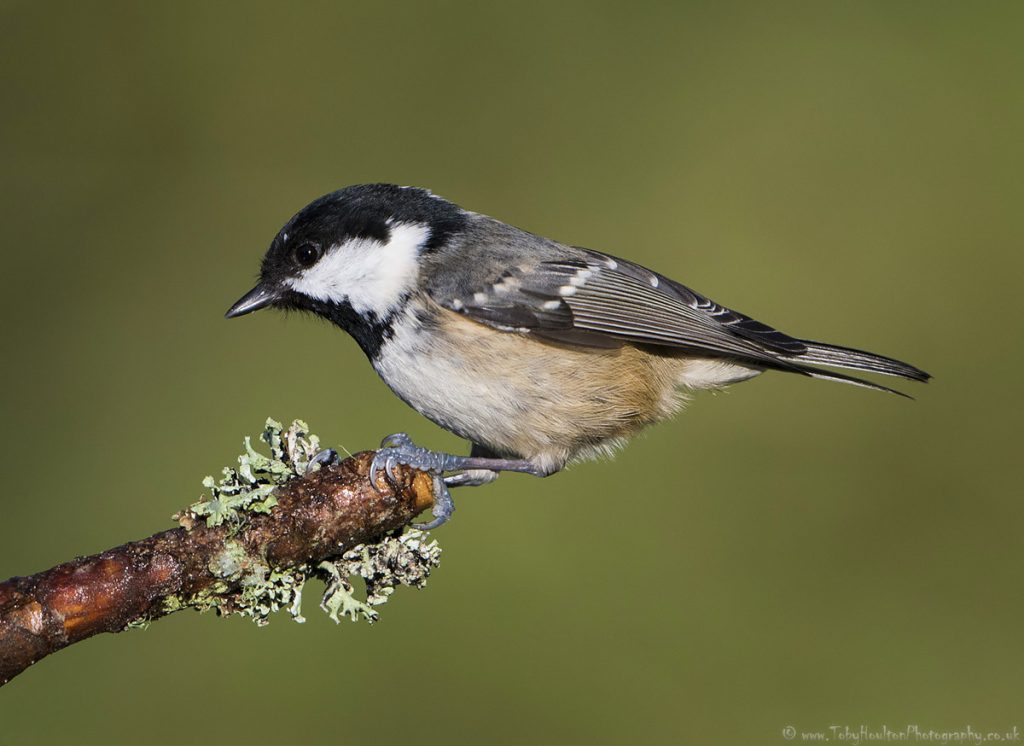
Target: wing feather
x=602 y=301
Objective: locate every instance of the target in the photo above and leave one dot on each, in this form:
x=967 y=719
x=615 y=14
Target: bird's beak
x=259 y=297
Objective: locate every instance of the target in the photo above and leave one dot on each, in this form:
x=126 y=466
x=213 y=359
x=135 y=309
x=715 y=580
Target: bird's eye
x=306 y=254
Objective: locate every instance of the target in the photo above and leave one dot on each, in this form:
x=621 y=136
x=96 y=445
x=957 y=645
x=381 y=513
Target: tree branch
x=253 y=565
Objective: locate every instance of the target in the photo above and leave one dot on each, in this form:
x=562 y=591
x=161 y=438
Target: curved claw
x=379 y=462
x=388 y=459
x=326 y=457
x=396 y=440
x=399 y=450
x=389 y=467
x=444 y=506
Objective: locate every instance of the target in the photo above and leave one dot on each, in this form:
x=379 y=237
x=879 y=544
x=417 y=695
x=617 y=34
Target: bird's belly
x=522 y=397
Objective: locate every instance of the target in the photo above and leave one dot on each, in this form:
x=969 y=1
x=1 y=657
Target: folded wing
x=603 y=301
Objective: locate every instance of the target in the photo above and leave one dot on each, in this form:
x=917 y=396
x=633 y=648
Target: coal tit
x=536 y=352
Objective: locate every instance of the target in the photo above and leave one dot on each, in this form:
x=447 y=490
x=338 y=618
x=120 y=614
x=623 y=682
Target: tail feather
x=829 y=375
x=847 y=357
x=818 y=353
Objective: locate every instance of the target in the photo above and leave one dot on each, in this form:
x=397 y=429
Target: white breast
x=435 y=379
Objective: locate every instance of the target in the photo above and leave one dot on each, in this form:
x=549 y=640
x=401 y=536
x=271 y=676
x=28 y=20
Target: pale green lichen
x=339 y=599
x=265 y=593
x=248 y=487
x=402 y=558
x=262 y=590
x=399 y=558
x=230 y=561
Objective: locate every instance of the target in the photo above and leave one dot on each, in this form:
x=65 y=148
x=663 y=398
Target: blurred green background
x=790 y=553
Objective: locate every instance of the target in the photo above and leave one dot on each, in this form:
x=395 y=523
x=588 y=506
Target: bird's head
x=352 y=256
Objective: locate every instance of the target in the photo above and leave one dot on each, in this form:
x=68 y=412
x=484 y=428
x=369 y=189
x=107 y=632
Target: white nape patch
x=370 y=275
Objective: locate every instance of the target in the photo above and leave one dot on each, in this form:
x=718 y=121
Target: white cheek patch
x=370 y=275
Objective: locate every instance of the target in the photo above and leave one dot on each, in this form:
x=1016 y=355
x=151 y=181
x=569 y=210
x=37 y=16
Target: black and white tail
x=819 y=353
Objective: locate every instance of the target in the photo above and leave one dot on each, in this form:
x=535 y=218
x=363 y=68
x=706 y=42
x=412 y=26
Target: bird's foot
x=399 y=450
x=474 y=470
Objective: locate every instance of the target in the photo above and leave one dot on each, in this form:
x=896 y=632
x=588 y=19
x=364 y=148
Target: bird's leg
x=475 y=469
x=474 y=477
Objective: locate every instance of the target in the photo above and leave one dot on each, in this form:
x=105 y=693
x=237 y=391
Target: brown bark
x=317 y=518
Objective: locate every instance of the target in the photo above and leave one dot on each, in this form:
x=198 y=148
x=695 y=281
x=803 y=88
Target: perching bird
x=536 y=352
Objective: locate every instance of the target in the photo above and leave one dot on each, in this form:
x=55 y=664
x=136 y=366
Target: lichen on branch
x=247 y=547
x=250 y=486
x=402 y=557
